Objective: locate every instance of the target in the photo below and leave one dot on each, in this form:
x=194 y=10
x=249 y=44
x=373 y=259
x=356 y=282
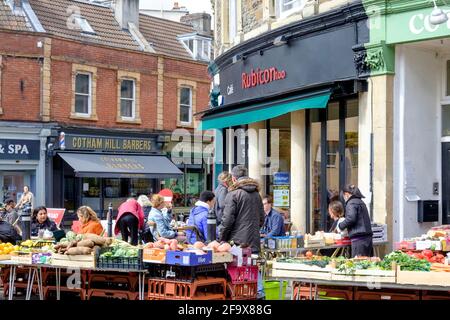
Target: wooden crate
x=431 y=278
x=74 y=261
x=5 y=257
x=369 y=276
x=299 y=270
x=21 y=257
x=222 y=257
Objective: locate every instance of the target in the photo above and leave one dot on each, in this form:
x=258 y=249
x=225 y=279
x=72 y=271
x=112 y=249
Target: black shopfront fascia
x=101 y=142
x=321 y=52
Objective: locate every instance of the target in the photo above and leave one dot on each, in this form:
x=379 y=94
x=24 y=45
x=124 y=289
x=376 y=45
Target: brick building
x=113 y=81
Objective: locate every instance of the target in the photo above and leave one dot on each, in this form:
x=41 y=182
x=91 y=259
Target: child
x=336 y=212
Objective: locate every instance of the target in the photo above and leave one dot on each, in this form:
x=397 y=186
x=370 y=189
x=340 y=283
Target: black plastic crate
x=126 y=263
x=185 y=273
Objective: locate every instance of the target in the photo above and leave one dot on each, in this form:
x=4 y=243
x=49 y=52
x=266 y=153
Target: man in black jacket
x=357 y=222
x=8 y=233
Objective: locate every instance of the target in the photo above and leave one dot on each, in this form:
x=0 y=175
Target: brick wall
x=108 y=61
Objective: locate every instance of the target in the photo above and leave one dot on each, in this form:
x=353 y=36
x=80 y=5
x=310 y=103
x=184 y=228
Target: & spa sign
x=11 y=149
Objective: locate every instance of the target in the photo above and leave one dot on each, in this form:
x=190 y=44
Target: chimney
x=175 y=6
x=127 y=11
x=201 y=22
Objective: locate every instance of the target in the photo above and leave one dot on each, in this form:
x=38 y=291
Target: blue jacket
x=273 y=225
x=199 y=218
x=163 y=228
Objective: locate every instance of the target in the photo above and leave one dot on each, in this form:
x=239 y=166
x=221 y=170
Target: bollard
x=109 y=217
x=25 y=218
x=211 y=225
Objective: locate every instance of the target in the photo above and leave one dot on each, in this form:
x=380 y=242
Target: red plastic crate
x=201 y=289
x=242 y=274
x=243 y=291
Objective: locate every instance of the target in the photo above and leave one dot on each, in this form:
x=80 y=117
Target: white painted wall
x=416 y=135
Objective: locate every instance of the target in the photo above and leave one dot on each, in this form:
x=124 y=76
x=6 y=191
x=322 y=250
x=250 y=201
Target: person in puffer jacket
x=199 y=216
x=357 y=222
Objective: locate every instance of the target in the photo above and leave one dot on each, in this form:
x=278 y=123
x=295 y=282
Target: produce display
x=7 y=248
x=81 y=244
x=309 y=259
x=198 y=247
x=120 y=249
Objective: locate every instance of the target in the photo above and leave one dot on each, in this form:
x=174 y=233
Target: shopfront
x=99 y=170
x=22 y=160
x=418 y=53
x=300 y=114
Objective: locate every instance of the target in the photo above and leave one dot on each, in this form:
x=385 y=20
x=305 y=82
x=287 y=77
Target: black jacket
x=220 y=193
x=357 y=219
x=243 y=215
x=8 y=233
x=36 y=226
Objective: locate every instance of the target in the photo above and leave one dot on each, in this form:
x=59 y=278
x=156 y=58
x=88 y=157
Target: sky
x=193 y=6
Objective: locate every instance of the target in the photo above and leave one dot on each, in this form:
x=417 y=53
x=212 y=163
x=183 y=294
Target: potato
x=98 y=240
x=78 y=251
x=225 y=247
x=86 y=243
x=199 y=245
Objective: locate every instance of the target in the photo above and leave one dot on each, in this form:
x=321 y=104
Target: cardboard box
x=21 y=257
x=427 y=244
x=74 y=261
x=368 y=276
x=153 y=255
x=424 y=278
x=222 y=257
x=188 y=258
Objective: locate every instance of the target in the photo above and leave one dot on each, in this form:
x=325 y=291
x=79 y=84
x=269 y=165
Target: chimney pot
x=175 y=6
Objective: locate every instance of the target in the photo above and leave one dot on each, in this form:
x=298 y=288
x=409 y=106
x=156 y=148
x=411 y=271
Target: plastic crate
x=242 y=274
x=184 y=273
x=435 y=295
x=111 y=294
x=272 y=290
x=200 y=289
x=405 y=245
x=335 y=293
x=127 y=263
x=243 y=291
x=111 y=281
x=244 y=258
x=386 y=294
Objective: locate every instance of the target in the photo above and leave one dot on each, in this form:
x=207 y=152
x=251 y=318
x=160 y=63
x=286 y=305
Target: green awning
x=261 y=112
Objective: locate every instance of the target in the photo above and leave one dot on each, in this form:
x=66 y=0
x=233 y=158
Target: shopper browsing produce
x=274 y=221
x=130 y=220
x=357 y=222
x=160 y=226
x=8 y=233
x=336 y=212
x=41 y=221
x=89 y=221
x=198 y=217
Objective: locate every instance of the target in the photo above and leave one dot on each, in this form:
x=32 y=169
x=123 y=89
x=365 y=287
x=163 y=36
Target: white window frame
x=197 y=54
x=133 y=105
x=190 y=105
x=232 y=20
x=286 y=13
x=89 y=95
x=84 y=24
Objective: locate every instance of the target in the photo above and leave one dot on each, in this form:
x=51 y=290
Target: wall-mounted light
x=280 y=41
x=438 y=16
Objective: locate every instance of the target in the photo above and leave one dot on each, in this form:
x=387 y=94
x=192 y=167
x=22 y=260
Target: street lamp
x=438 y=16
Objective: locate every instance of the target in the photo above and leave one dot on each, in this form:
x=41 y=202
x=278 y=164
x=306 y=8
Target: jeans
x=261 y=292
x=129 y=226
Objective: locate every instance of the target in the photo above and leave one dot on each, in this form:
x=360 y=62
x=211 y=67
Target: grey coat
x=220 y=193
x=243 y=215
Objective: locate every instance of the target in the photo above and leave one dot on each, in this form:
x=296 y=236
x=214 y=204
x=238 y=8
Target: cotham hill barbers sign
x=75 y=142
x=19 y=149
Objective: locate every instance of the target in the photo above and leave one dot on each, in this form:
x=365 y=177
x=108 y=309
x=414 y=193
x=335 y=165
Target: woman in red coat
x=130 y=220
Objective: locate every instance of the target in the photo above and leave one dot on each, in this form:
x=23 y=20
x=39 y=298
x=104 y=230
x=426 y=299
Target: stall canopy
x=265 y=111
x=121 y=166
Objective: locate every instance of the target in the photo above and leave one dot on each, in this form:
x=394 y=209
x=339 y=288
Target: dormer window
x=83 y=24
x=288 y=7
x=199 y=47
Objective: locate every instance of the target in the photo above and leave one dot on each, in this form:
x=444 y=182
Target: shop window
x=332 y=153
x=127 y=99
x=188 y=197
x=185 y=105
x=83 y=92
x=287 y=7
x=91 y=193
